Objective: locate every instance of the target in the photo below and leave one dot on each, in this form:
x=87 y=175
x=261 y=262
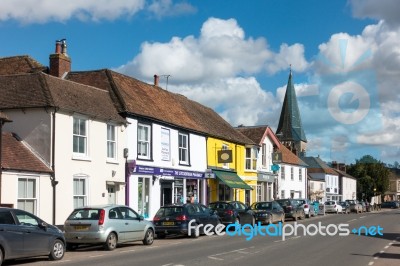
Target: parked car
x=345 y=207
x=333 y=206
x=268 y=212
x=308 y=207
x=233 y=212
x=174 y=219
x=364 y=206
x=23 y=235
x=108 y=225
x=355 y=206
x=390 y=204
x=292 y=209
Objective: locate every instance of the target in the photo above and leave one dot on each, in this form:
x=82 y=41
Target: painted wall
x=43 y=191
x=349 y=188
x=197 y=153
x=286 y=184
x=95 y=167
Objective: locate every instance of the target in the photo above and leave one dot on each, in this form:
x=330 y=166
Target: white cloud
x=166 y=8
x=237 y=100
x=42 y=11
x=221 y=51
x=387 y=10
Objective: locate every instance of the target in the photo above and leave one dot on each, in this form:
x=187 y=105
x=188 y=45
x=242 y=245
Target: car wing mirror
x=141 y=217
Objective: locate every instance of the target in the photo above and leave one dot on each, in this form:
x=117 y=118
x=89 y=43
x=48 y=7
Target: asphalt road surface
x=356 y=248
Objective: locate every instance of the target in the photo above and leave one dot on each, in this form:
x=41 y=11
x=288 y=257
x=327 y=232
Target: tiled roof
x=38 y=90
x=342 y=173
x=143 y=100
x=16 y=156
x=19 y=65
x=316 y=165
x=289 y=157
x=258 y=133
x=255 y=133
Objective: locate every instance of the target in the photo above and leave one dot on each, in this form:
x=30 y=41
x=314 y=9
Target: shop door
x=143 y=196
x=166 y=193
x=111 y=194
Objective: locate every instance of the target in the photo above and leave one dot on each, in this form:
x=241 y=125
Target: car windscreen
x=85 y=214
x=169 y=211
x=262 y=206
x=284 y=203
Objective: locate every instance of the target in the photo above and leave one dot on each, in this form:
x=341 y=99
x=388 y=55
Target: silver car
x=108 y=225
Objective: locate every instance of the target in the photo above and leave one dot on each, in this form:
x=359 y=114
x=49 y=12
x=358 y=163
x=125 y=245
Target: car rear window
x=85 y=214
x=330 y=203
x=262 y=206
x=169 y=211
x=284 y=203
x=219 y=205
x=6 y=218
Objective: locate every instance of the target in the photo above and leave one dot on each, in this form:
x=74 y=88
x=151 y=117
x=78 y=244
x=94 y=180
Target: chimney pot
x=58 y=47
x=156 y=78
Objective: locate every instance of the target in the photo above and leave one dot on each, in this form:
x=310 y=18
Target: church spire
x=290 y=129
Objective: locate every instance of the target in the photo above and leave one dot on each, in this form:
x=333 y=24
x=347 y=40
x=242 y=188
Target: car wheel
x=57 y=250
x=111 y=242
x=253 y=220
x=148 y=237
x=1 y=256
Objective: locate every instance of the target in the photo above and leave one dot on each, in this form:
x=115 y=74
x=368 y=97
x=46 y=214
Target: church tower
x=290 y=129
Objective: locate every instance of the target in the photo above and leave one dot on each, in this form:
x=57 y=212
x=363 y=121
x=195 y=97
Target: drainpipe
x=53 y=167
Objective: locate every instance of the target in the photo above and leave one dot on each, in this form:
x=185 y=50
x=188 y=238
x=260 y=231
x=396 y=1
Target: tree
x=372 y=176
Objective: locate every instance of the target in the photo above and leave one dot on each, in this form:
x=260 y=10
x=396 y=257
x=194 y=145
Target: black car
x=24 y=235
x=390 y=204
x=175 y=219
x=268 y=212
x=232 y=212
x=292 y=208
x=345 y=207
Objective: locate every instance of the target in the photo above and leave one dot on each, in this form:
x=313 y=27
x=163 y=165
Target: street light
x=3 y=119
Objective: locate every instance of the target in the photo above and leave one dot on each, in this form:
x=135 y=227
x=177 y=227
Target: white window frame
x=183 y=146
x=264 y=155
x=144 y=142
x=84 y=195
x=225 y=147
x=80 y=136
x=251 y=162
x=111 y=143
x=23 y=199
x=292 y=173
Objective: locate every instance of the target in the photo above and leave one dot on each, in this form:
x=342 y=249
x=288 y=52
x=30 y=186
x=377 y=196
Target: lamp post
x=3 y=119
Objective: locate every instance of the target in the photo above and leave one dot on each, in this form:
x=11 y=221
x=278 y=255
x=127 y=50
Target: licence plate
x=168 y=223
x=81 y=227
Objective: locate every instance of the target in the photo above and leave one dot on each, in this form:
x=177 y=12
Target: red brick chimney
x=60 y=63
x=156 y=78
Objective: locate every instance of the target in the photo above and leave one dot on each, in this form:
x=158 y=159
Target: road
x=353 y=249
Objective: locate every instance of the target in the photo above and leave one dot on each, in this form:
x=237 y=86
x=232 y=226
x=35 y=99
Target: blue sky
x=234 y=56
